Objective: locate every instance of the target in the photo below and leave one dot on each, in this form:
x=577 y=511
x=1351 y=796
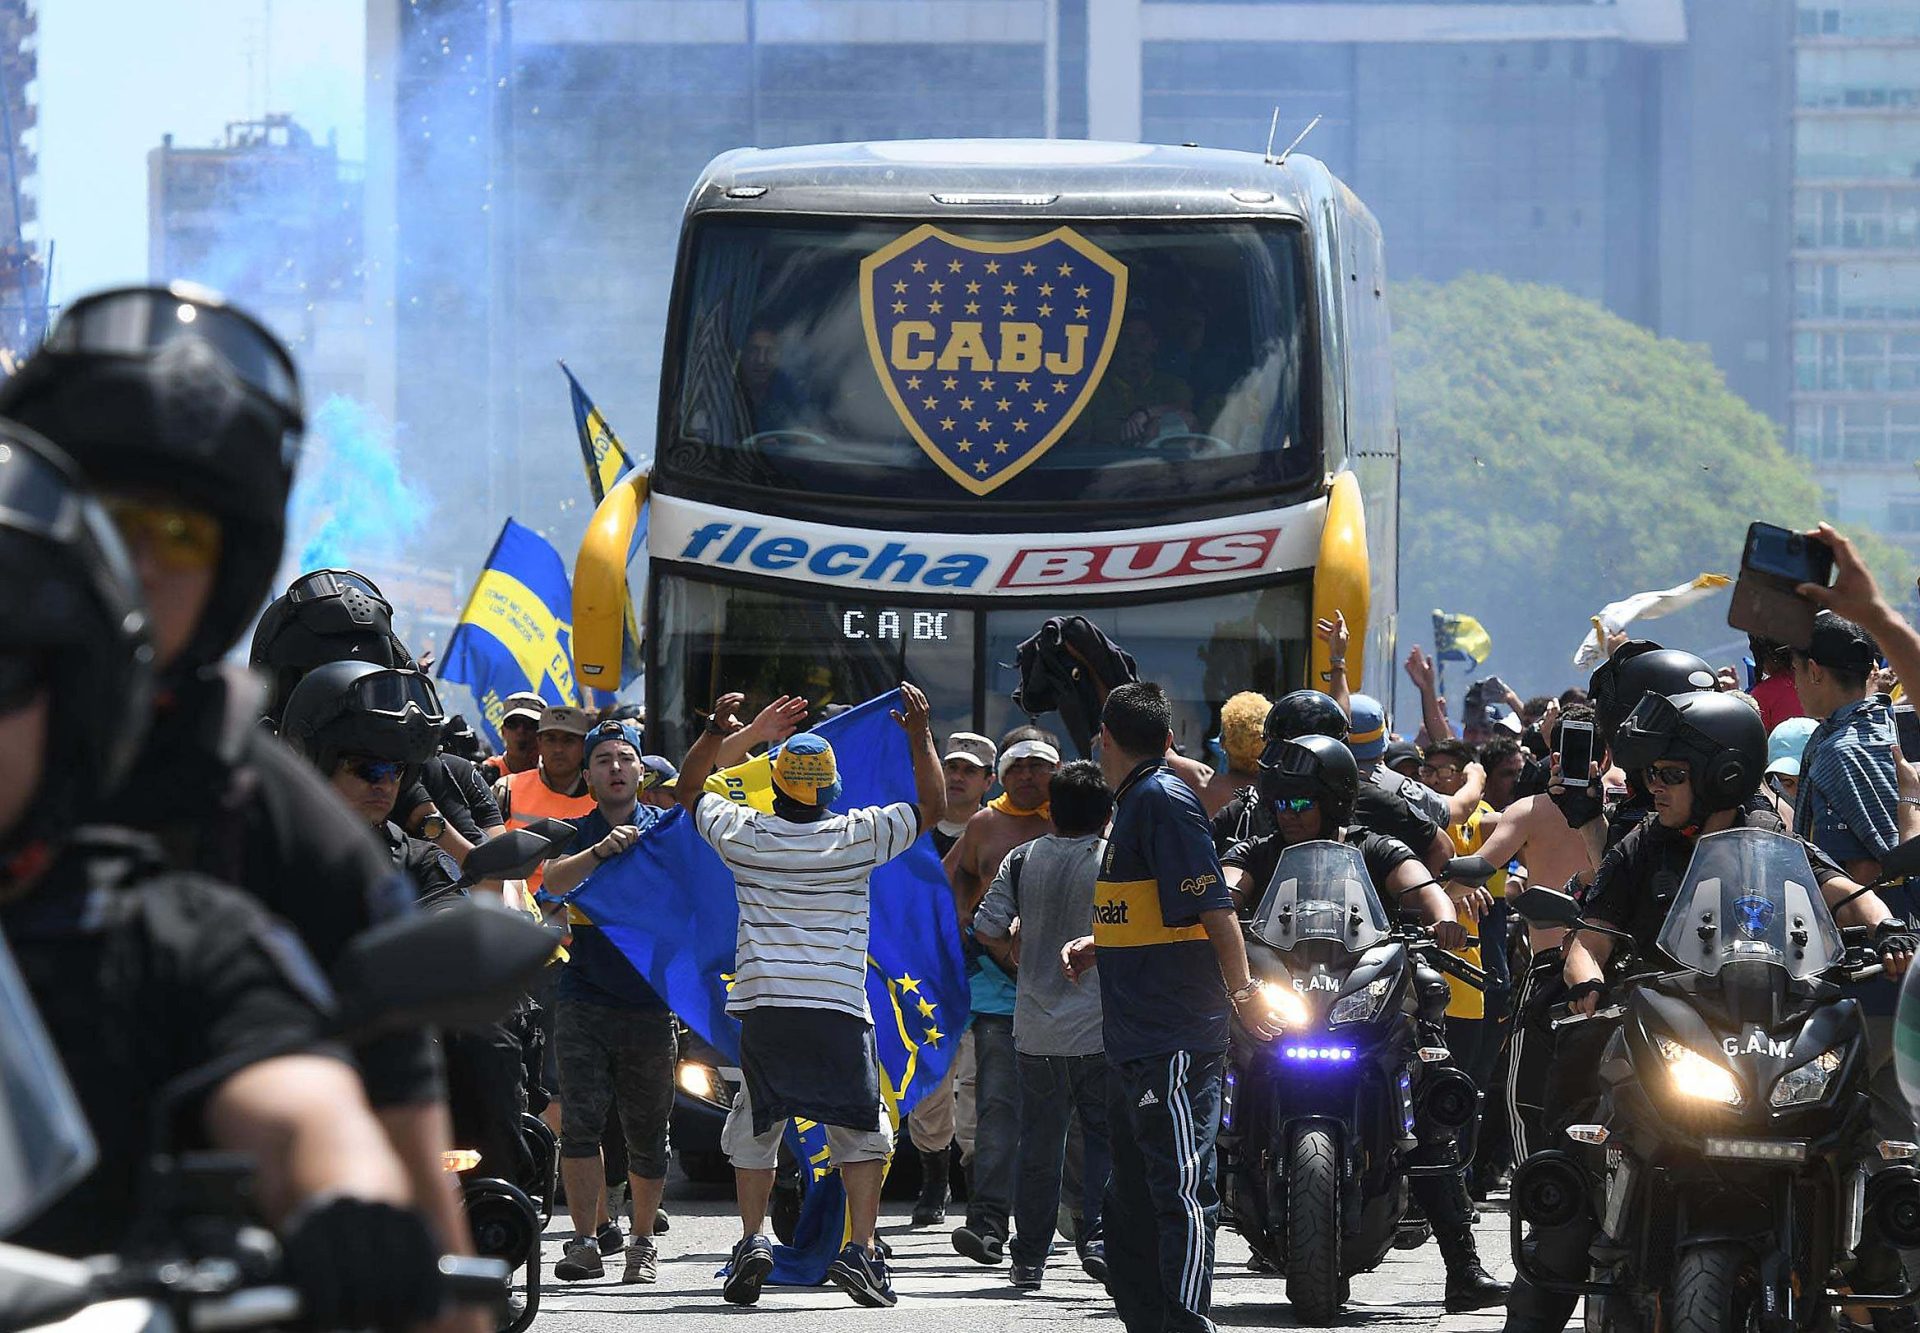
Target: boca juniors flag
x=989 y=350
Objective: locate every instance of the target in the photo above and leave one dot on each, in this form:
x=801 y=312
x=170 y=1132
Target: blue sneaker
x=752 y=1261
x=862 y=1276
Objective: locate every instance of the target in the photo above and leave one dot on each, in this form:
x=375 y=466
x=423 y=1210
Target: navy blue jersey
x=1160 y=986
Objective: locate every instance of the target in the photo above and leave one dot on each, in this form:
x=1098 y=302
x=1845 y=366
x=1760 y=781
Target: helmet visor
x=393 y=693
x=142 y=321
x=1644 y=736
x=320 y=584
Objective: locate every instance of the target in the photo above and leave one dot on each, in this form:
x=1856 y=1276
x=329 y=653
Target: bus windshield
x=840 y=648
x=809 y=360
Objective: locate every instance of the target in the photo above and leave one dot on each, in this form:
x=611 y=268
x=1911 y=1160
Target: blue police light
x=1317 y=1054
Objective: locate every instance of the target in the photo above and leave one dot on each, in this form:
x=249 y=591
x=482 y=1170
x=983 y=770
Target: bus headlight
x=1694 y=1075
x=1808 y=1083
x=1360 y=1006
x=704 y=1082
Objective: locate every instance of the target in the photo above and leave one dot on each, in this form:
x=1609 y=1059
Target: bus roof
x=1010 y=178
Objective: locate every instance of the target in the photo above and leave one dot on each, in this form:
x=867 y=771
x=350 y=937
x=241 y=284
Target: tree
x=1557 y=457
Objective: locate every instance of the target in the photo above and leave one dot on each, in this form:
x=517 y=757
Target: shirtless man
x=1028 y=757
x=1534 y=831
x=1241 y=719
x=986 y=1080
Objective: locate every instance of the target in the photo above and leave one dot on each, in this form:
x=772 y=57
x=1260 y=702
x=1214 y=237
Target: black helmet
x=1316 y=766
x=70 y=604
x=363 y=708
x=327 y=615
x=1638 y=668
x=1721 y=737
x=171 y=391
x=458 y=738
x=1305 y=712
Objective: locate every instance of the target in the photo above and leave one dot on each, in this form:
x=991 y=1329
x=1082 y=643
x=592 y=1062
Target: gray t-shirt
x=1054 y=901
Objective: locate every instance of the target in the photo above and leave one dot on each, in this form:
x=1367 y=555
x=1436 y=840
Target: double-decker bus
x=918 y=397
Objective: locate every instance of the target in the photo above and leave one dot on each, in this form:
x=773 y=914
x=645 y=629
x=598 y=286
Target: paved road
x=940 y=1292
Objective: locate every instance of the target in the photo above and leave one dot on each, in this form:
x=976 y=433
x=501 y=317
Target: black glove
x=1895 y=936
x=358 y=1264
x=1579 y=805
x=1592 y=986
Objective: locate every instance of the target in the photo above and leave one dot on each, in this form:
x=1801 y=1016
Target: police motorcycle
x=204 y=1263
x=1729 y=1172
x=1317 y=1136
x=508 y=1217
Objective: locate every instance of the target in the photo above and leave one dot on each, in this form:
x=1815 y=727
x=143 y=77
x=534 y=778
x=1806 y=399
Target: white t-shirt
x=802 y=890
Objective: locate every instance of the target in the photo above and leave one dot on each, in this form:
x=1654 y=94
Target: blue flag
x=668 y=905
x=516 y=632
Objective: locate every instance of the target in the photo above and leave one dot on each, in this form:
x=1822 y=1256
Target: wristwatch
x=433 y=827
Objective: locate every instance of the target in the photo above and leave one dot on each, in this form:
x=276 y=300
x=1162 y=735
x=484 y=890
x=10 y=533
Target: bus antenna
x=1281 y=161
x=1272 y=127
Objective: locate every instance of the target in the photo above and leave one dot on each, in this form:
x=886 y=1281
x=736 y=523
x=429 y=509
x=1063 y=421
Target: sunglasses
x=374 y=771
x=1667 y=775
x=178 y=537
x=1443 y=771
x=1294 y=805
x=22 y=676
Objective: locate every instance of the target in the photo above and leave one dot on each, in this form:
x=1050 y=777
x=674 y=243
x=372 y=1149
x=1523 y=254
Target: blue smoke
x=352 y=505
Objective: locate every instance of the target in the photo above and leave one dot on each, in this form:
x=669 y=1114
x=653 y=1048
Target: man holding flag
x=802 y=877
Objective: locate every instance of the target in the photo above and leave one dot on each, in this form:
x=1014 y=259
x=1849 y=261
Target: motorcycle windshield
x=45 y=1145
x=1321 y=891
x=1750 y=896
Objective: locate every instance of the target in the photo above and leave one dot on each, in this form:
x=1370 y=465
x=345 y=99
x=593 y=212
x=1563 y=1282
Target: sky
x=116 y=75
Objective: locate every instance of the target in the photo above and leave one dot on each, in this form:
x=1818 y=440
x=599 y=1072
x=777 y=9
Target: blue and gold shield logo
x=989 y=350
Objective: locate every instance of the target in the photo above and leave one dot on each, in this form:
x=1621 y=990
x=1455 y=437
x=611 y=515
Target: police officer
x=1311 y=713
x=337 y=615
x=1309 y=785
x=1699 y=756
x=144 y=976
x=367 y=729
x=186 y=415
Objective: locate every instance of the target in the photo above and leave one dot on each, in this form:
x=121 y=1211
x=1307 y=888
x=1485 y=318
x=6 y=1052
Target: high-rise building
x=23 y=274
x=1856 y=257
x=271 y=219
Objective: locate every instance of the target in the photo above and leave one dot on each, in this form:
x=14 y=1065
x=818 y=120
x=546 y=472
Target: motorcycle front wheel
x=1315 y=1287
x=1716 y=1289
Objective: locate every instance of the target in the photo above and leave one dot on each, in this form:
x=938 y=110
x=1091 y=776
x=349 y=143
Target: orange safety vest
x=530 y=798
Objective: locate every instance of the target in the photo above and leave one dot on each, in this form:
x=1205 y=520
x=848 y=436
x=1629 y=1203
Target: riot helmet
x=75 y=630
x=1641 y=667
x=172 y=392
x=1302 y=713
x=1314 y=766
x=362 y=708
x=1720 y=736
x=325 y=615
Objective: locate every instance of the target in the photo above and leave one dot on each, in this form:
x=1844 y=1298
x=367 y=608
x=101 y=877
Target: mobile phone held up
x=1773 y=564
x=1576 y=754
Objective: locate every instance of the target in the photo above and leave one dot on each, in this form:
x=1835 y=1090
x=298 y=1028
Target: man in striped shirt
x=802 y=876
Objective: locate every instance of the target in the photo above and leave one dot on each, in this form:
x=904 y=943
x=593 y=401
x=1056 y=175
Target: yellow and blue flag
x=600 y=449
x=668 y=905
x=607 y=461
x=1458 y=638
x=514 y=634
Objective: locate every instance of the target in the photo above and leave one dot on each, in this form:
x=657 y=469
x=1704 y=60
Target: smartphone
x=1774 y=562
x=1907 y=723
x=1576 y=753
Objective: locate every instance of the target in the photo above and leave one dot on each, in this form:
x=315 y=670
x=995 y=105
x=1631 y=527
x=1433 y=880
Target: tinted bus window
x=779 y=381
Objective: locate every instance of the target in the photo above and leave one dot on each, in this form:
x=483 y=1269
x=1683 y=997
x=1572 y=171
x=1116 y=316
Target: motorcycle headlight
x=1360 y=1006
x=1696 y=1076
x=704 y=1082
x=1286 y=1005
x=1808 y=1083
